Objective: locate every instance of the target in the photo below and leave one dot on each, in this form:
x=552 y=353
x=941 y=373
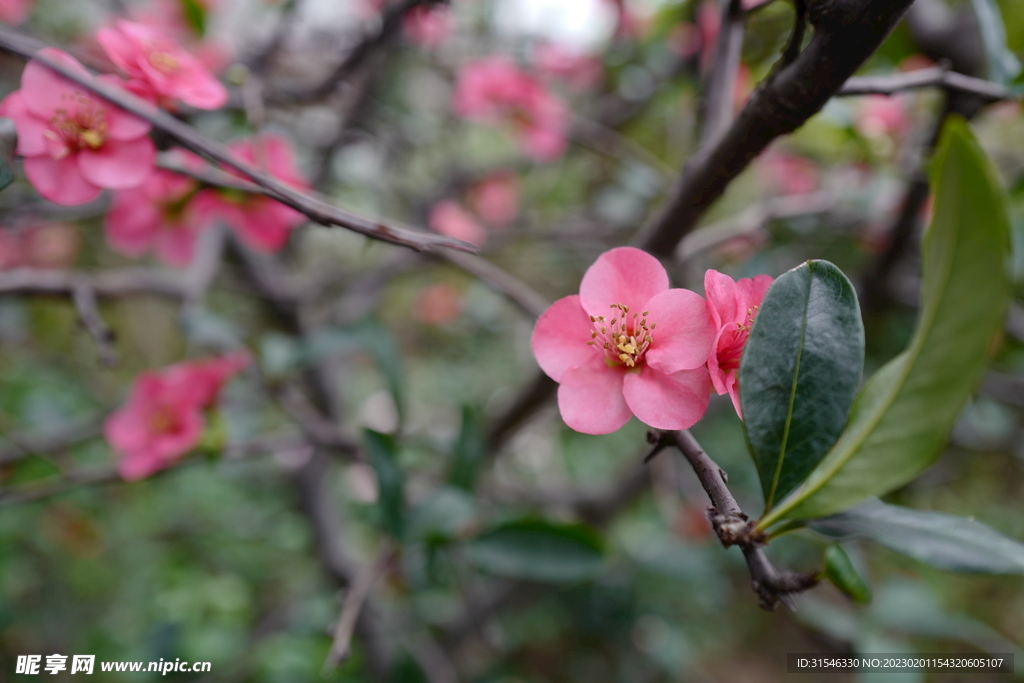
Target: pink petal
x=734 y=393
x=560 y=337
x=720 y=289
x=719 y=377
x=684 y=332
x=190 y=430
x=122 y=125
x=121 y=51
x=118 y=164
x=132 y=223
x=590 y=398
x=201 y=90
x=176 y=246
x=752 y=291
x=45 y=91
x=262 y=227
x=59 y=180
x=31 y=129
x=675 y=401
x=625 y=275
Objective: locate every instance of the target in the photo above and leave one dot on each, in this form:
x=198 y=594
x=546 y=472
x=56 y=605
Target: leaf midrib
x=770 y=498
x=912 y=353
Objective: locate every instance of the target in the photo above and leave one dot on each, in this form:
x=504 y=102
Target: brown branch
x=933 y=77
x=88 y=313
x=514 y=289
x=717 y=110
x=735 y=528
x=315 y=209
x=124 y=282
x=353 y=607
x=846 y=33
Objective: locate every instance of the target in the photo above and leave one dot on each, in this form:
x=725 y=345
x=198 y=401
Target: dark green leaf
x=800 y=371
x=940 y=539
x=840 y=570
x=469 y=449
x=1003 y=65
x=442 y=516
x=538 y=550
x=195 y=15
x=902 y=416
x=382 y=454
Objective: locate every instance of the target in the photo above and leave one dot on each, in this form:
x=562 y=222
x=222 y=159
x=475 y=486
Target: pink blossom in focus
x=14 y=12
x=264 y=224
x=496 y=91
x=163 y=418
x=496 y=198
x=580 y=71
x=449 y=218
x=157 y=216
x=788 y=173
x=627 y=345
x=733 y=306
x=75 y=143
x=161 y=68
x=880 y=115
x=428 y=25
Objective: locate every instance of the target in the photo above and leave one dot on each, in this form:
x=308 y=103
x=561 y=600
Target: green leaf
x=195 y=15
x=840 y=570
x=539 y=551
x=382 y=454
x=902 y=416
x=470 y=449
x=943 y=540
x=1003 y=65
x=801 y=367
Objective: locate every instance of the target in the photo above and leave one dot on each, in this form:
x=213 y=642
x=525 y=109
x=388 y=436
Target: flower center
x=623 y=340
x=732 y=341
x=81 y=126
x=163 y=421
x=164 y=62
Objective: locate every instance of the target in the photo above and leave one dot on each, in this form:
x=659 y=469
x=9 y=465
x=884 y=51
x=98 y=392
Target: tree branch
x=846 y=33
x=933 y=77
x=315 y=209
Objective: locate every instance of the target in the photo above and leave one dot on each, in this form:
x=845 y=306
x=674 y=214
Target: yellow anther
x=92 y=138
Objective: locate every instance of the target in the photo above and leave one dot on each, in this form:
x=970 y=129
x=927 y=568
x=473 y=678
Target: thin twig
x=721 y=81
x=315 y=209
x=88 y=313
x=359 y=591
x=113 y=283
x=932 y=77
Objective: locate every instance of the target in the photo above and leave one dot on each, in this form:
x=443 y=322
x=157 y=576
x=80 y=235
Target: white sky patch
x=583 y=24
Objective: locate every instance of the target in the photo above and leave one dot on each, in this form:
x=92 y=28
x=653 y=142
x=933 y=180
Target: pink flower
x=449 y=218
x=428 y=25
x=261 y=222
x=627 y=345
x=789 y=173
x=496 y=91
x=75 y=143
x=157 y=216
x=14 y=12
x=882 y=115
x=41 y=245
x=733 y=306
x=163 y=417
x=496 y=198
x=159 y=68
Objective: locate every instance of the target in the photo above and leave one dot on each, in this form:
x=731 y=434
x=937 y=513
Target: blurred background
x=492 y=543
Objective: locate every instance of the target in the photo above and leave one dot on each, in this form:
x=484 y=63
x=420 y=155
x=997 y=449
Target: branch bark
x=846 y=33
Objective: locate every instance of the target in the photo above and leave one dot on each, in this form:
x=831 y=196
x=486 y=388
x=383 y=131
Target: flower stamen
x=624 y=339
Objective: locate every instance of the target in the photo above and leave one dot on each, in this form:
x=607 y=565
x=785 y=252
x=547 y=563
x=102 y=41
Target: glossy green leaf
x=538 y=550
x=943 y=540
x=801 y=368
x=1003 y=65
x=469 y=451
x=382 y=454
x=902 y=416
x=841 y=572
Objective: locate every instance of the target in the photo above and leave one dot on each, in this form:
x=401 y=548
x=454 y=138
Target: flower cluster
x=163 y=418
x=628 y=344
x=496 y=91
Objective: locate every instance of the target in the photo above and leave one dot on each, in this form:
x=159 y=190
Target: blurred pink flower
x=788 y=173
x=880 y=115
x=169 y=18
x=14 y=12
x=602 y=348
x=264 y=224
x=495 y=198
x=449 y=218
x=42 y=245
x=161 y=70
x=733 y=306
x=438 y=304
x=163 y=418
x=75 y=143
x=580 y=71
x=428 y=25
x=157 y=216
x=496 y=91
